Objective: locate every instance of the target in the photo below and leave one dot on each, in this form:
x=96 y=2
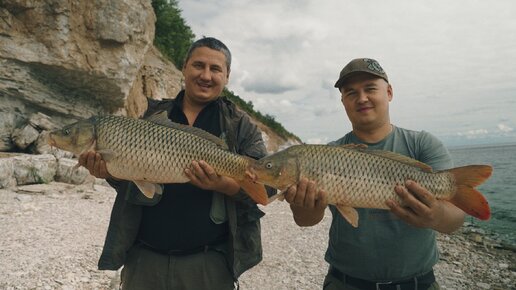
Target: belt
x=422 y=282
x=184 y=252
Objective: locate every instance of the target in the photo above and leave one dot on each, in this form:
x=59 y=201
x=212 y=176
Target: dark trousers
x=337 y=282
x=147 y=269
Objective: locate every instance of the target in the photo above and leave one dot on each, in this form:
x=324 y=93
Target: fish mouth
x=50 y=140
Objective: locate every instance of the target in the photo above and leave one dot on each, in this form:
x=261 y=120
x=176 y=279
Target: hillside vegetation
x=174 y=37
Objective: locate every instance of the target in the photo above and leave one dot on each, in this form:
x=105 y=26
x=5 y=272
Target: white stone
x=29 y=169
x=66 y=172
x=7 y=178
x=482 y=285
x=503 y=266
x=23 y=137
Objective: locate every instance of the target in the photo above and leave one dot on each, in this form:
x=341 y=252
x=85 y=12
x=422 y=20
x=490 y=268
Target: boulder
x=31 y=169
x=24 y=136
x=67 y=173
x=7 y=178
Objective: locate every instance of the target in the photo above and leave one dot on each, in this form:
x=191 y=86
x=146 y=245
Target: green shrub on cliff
x=173 y=37
x=266 y=119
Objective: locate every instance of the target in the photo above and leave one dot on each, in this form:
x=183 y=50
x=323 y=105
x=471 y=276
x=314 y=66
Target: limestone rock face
x=74 y=59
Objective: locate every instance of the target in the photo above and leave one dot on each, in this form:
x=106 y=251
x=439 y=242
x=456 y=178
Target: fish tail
x=466 y=197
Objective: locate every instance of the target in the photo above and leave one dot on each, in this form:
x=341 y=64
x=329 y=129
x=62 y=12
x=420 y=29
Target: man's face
x=205 y=75
x=366 y=100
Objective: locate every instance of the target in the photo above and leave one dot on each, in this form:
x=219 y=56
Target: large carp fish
x=356 y=177
x=154 y=150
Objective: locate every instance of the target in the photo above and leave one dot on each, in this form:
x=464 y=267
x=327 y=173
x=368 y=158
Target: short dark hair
x=212 y=43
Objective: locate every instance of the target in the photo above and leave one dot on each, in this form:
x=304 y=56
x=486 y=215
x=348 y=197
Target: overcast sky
x=452 y=64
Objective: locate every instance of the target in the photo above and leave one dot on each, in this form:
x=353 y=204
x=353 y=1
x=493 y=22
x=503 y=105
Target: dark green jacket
x=245 y=248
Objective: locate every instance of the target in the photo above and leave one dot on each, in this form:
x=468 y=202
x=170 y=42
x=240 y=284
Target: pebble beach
x=52 y=236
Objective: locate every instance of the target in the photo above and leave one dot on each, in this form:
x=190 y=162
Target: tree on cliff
x=173 y=36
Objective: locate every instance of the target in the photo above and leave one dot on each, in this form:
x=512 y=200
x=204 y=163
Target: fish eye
x=268 y=165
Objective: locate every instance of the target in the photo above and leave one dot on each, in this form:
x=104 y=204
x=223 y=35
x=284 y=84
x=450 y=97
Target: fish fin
x=255 y=190
x=466 y=197
x=279 y=196
x=161 y=118
x=401 y=158
x=349 y=213
x=148 y=189
x=389 y=155
x=354 y=146
x=107 y=154
x=159 y=188
x=92 y=147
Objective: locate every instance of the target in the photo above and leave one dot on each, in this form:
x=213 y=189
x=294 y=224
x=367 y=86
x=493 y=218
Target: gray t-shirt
x=383 y=247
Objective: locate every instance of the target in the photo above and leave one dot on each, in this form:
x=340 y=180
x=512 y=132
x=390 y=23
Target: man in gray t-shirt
x=393 y=249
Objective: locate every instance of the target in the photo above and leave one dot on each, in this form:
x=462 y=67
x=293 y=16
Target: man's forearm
x=452 y=219
x=228 y=186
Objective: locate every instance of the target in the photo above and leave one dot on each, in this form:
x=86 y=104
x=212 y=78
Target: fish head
x=278 y=170
x=77 y=137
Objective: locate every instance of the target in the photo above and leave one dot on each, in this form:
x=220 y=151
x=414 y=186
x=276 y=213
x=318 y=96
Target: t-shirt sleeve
x=433 y=152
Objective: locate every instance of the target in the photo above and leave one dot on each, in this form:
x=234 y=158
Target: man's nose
x=206 y=74
x=362 y=97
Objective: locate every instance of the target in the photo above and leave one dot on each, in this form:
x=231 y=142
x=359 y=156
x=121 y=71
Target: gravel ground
x=52 y=236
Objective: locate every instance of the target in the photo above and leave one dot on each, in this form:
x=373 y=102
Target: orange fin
x=255 y=190
x=466 y=197
x=349 y=213
x=148 y=189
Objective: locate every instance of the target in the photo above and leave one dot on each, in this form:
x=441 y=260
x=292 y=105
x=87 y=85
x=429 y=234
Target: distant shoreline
x=483 y=146
x=474 y=146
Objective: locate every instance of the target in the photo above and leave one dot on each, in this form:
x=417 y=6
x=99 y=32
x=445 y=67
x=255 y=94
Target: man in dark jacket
x=197 y=235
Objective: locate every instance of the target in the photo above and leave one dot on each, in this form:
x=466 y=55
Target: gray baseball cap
x=358 y=65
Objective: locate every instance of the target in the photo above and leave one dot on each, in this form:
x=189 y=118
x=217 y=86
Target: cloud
x=473 y=134
x=317 y=141
x=449 y=62
x=504 y=128
x=267 y=85
x=323 y=111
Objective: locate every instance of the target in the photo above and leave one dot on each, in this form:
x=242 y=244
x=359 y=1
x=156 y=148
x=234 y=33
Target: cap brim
x=341 y=81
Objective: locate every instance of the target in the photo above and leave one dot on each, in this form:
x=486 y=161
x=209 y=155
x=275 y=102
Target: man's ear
x=227 y=77
x=390 y=92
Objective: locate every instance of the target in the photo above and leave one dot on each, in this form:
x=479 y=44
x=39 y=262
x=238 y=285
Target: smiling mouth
x=364 y=109
x=204 y=86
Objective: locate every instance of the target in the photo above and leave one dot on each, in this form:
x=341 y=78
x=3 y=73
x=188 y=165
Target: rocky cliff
x=61 y=61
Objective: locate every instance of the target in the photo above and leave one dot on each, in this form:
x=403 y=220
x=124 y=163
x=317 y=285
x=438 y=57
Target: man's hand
x=306 y=202
x=204 y=176
x=421 y=209
x=95 y=164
